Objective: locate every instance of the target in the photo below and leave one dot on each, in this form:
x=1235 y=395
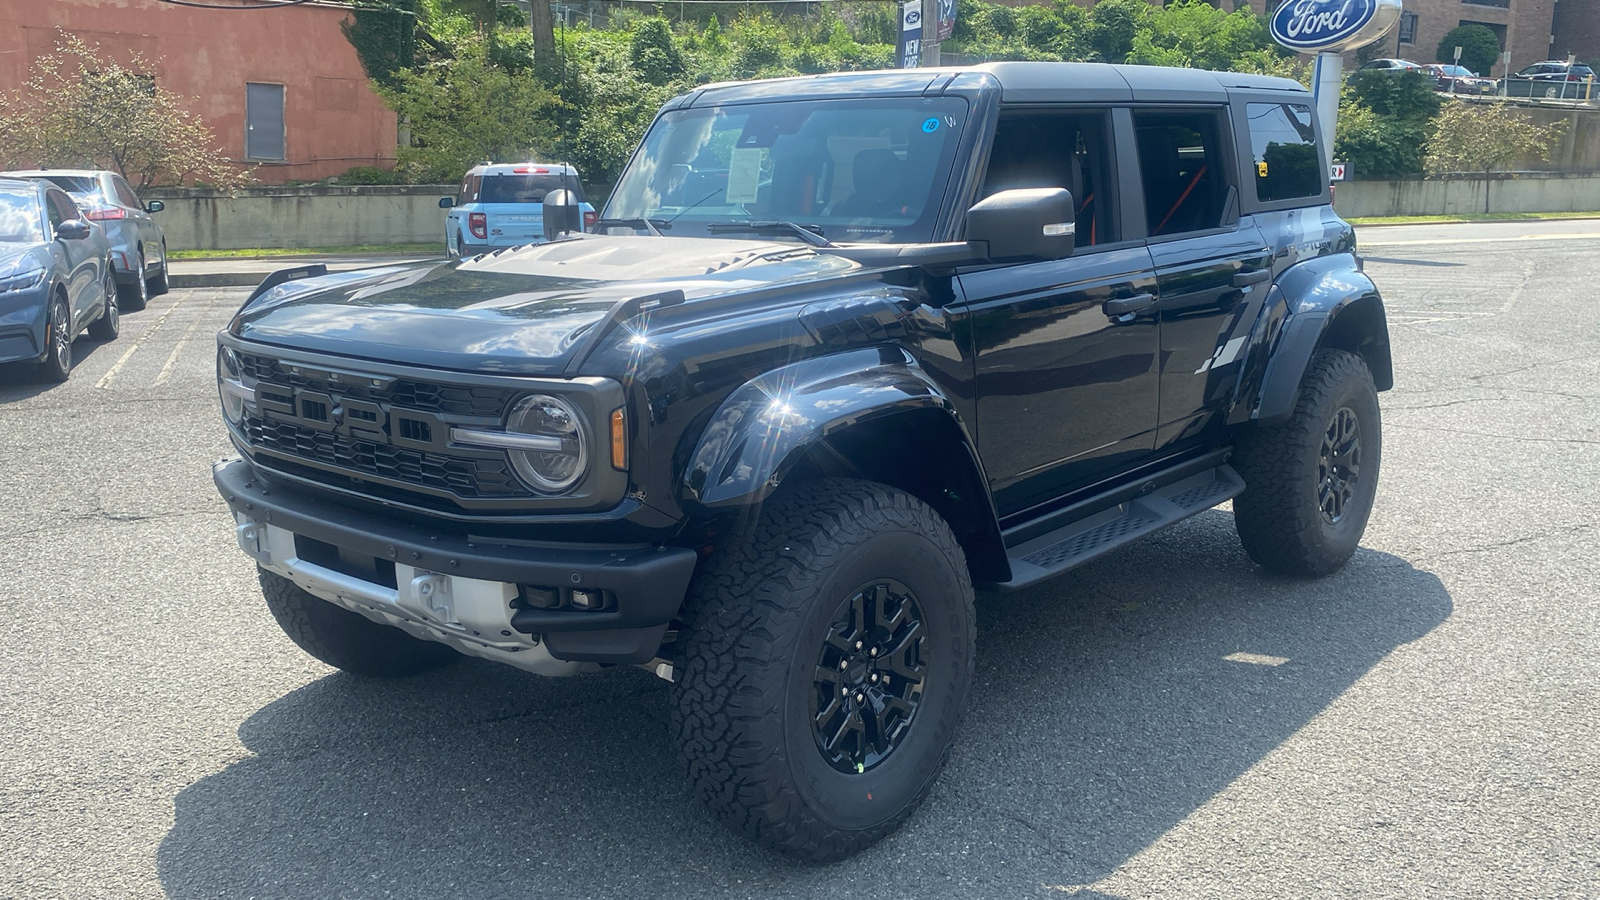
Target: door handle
x=1251 y=276
x=1122 y=306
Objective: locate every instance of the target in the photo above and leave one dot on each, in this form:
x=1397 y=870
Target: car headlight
x=231 y=385
x=554 y=447
x=22 y=281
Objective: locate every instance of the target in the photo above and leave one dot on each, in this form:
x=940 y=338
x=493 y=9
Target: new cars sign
x=1313 y=26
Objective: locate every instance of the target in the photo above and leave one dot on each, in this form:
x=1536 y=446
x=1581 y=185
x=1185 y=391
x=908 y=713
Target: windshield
x=19 y=217
x=851 y=170
x=515 y=187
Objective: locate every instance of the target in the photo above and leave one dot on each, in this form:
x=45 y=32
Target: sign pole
x=930 y=33
x=1326 y=80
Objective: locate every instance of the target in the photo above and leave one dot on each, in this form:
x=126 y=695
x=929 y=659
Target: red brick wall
x=332 y=120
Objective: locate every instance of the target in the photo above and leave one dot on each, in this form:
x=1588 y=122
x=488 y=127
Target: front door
x=1066 y=349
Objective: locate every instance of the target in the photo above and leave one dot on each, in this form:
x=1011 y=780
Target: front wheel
x=824 y=668
x=1310 y=482
x=346 y=640
x=56 y=366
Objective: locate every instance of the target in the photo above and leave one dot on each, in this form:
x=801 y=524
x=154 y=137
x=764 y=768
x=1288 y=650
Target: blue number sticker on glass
x=930 y=125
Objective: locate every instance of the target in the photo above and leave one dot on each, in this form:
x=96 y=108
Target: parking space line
x=111 y=373
x=187 y=332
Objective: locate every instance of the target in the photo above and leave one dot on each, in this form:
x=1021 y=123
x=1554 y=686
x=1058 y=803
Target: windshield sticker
x=930 y=125
x=744 y=174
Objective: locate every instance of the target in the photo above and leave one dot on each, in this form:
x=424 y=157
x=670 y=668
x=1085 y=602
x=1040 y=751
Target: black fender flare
x=864 y=411
x=1331 y=303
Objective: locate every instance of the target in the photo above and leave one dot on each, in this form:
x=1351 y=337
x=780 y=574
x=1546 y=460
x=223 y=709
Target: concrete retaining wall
x=314 y=216
x=1542 y=192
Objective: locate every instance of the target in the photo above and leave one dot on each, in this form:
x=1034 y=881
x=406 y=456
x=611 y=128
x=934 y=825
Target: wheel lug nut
x=859 y=644
x=844 y=664
x=860 y=697
x=873 y=652
x=874 y=676
x=844 y=692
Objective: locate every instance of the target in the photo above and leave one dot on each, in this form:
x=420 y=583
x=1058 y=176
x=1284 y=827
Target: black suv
x=841 y=349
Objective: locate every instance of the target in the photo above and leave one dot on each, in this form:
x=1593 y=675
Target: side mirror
x=72 y=230
x=155 y=206
x=1024 y=225
x=447 y=202
x=561 y=213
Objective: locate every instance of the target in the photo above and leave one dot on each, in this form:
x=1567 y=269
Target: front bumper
x=23 y=321
x=458 y=589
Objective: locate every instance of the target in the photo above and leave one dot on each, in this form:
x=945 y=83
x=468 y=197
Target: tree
x=1483 y=137
x=1384 y=120
x=78 y=109
x=1196 y=34
x=1480 y=49
x=464 y=111
x=1112 y=27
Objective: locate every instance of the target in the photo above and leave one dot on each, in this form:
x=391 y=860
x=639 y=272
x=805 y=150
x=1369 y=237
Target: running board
x=1078 y=542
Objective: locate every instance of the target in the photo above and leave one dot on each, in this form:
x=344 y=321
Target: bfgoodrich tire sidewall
x=859 y=801
x=1343 y=536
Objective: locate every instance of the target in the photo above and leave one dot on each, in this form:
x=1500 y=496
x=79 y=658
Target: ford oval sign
x=1332 y=25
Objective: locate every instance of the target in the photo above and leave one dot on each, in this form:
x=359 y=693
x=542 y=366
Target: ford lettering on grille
x=360 y=420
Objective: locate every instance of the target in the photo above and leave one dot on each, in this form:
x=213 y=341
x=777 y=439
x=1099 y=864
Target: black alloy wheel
x=869 y=677
x=1339 y=468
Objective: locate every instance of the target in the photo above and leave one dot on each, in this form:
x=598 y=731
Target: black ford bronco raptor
x=840 y=349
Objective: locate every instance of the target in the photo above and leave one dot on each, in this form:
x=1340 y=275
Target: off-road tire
x=109 y=325
x=1278 y=516
x=747 y=663
x=135 y=295
x=346 y=640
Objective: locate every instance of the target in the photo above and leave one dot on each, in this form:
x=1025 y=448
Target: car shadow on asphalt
x=21 y=380
x=1107 y=707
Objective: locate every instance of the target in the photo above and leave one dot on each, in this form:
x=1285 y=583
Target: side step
x=1078 y=542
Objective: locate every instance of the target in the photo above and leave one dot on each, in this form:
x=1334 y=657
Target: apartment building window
x=1408 y=28
x=1503 y=4
x=263 y=116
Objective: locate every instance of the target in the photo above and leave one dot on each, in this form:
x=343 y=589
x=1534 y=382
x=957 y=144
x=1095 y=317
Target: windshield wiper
x=810 y=234
x=654 y=226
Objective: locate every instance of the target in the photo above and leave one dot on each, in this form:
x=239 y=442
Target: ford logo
x=1332 y=24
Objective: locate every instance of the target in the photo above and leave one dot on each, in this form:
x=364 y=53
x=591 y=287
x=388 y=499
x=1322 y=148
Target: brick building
x=1577 y=30
x=1524 y=27
x=281 y=88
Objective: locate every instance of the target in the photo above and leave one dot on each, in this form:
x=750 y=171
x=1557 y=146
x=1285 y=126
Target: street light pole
x=930 y=33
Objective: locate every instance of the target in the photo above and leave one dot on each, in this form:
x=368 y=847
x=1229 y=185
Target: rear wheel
x=57 y=363
x=1310 y=482
x=109 y=325
x=135 y=295
x=824 y=668
x=346 y=640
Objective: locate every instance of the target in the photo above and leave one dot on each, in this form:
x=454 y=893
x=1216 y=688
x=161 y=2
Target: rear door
x=149 y=232
x=1066 y=380
x=1204 y=258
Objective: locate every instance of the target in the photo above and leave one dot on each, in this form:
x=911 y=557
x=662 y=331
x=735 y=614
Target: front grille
x=364 y=432
x=481 y=478
x=446 y=400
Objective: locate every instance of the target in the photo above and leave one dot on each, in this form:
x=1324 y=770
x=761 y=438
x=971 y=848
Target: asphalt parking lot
x=1165 y=722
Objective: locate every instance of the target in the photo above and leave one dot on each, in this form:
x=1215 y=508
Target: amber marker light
x=619 y=439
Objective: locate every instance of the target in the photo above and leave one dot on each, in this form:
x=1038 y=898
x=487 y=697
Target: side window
x=462 y=192
x=1058 y=148
x=1184 y=171
x=55 y=209
x=125 y=194
x=1283 y=151
x=474 y=189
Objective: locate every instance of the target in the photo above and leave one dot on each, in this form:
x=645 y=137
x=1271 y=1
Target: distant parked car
x=55 y=277
x=1553 y=79
x=138 y=248
x=1390 y=65
x=1460 y=80
x=501 y=205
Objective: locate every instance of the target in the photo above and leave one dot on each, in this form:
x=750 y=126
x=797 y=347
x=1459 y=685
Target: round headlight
x=230 y=385
x=563 y=465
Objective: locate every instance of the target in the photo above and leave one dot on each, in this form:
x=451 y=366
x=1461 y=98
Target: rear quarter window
x=1283 y=152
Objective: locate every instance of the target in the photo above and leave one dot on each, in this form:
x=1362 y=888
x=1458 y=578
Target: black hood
x=518 y=311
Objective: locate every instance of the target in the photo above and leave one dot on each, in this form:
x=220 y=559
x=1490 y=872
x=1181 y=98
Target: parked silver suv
x=138 y=248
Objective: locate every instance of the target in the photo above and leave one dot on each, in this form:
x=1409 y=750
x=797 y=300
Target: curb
x=216 y=279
